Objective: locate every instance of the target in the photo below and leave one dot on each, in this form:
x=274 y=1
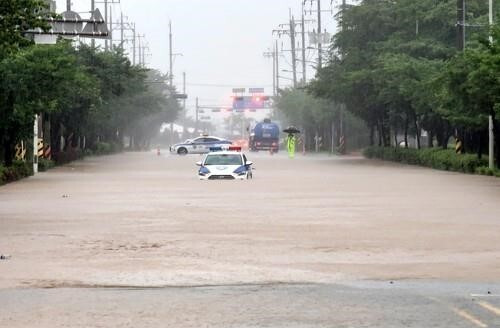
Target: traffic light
x=250 y=102
x=259 y=102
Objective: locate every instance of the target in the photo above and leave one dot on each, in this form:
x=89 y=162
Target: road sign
x=239 y=90
x=45 y=39
x=71 y=24
x=95 y=28
x=256 y=90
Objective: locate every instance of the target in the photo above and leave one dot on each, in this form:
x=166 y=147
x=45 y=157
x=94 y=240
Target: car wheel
x=182 y=151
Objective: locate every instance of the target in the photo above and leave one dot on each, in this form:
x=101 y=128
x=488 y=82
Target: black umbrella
x=291 y=129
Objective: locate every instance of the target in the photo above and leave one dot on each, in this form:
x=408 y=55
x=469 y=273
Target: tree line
x=396 y=65
x=83 y=94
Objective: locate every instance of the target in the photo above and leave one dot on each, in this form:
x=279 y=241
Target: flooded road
x=136 y=240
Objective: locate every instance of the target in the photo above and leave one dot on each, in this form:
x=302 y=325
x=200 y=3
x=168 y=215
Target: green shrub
x=65 y=157
x=18 y=170
x=103 y=148
x=485 y=170
x=442 y=159
x=106 y=148
x=45 y=164
x=2 y=171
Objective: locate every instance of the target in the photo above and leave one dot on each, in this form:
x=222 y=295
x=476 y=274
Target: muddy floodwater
x=142 y=223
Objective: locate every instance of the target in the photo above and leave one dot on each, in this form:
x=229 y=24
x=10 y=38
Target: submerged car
x=200 y=145
x=220 y=164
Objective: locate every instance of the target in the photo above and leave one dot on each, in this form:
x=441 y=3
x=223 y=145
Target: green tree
x=16 y=17
x=38 y=80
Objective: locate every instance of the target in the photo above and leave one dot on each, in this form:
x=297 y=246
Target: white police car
x=200 y=145
x=220 y=164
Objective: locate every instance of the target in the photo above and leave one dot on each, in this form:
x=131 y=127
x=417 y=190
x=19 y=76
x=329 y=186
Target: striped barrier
x=47 y=152
x=20 y=152
x=342 y=148
x=40 y=147
x=458 y=146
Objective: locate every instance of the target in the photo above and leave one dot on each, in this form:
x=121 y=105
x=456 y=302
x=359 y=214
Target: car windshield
x=223 y=159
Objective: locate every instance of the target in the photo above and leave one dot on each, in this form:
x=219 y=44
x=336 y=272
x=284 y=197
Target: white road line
x=469 y=317
x=490 y=307
x=485 y=295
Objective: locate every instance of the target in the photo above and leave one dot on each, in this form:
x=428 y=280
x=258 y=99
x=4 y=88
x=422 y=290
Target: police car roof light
x=234 y=148
x=215 y=149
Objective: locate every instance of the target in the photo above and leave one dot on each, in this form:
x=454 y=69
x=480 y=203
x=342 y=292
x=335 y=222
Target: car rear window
x=223 y=159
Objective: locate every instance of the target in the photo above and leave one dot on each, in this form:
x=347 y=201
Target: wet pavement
x=136 y=240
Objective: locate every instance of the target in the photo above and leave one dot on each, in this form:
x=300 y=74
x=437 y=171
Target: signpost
x=180 y=96
x=256 y=90
x=71 y=24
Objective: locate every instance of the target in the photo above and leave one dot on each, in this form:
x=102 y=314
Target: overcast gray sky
x=222 y=41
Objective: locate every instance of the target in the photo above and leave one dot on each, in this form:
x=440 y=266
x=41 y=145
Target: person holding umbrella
x=291 y=140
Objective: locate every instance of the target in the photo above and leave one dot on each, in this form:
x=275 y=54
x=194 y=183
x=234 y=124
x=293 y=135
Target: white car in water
x=200 y=145
x=230 y=164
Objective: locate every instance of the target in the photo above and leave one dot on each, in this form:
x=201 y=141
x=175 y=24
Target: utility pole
x=276 y=69
x=122 y=40
x=68 y=5
x=304 y=66
x=271 y=54
x=184 y=91
x=196 y=117
x=320 y=56
x=106 y=47
x=276 y=56
x=491 y=125
x=294 y=55
x=342 y=106
x=140 y=49
x=92 y=8
x=111 y=29
x=171 y=75
x=134 y=50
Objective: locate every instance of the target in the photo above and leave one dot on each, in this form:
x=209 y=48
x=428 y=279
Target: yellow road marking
x=461 y=313
x=490 y=307
x=469 y=317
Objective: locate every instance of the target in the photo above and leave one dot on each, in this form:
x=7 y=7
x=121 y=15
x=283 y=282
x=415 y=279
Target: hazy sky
x=222 y=41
